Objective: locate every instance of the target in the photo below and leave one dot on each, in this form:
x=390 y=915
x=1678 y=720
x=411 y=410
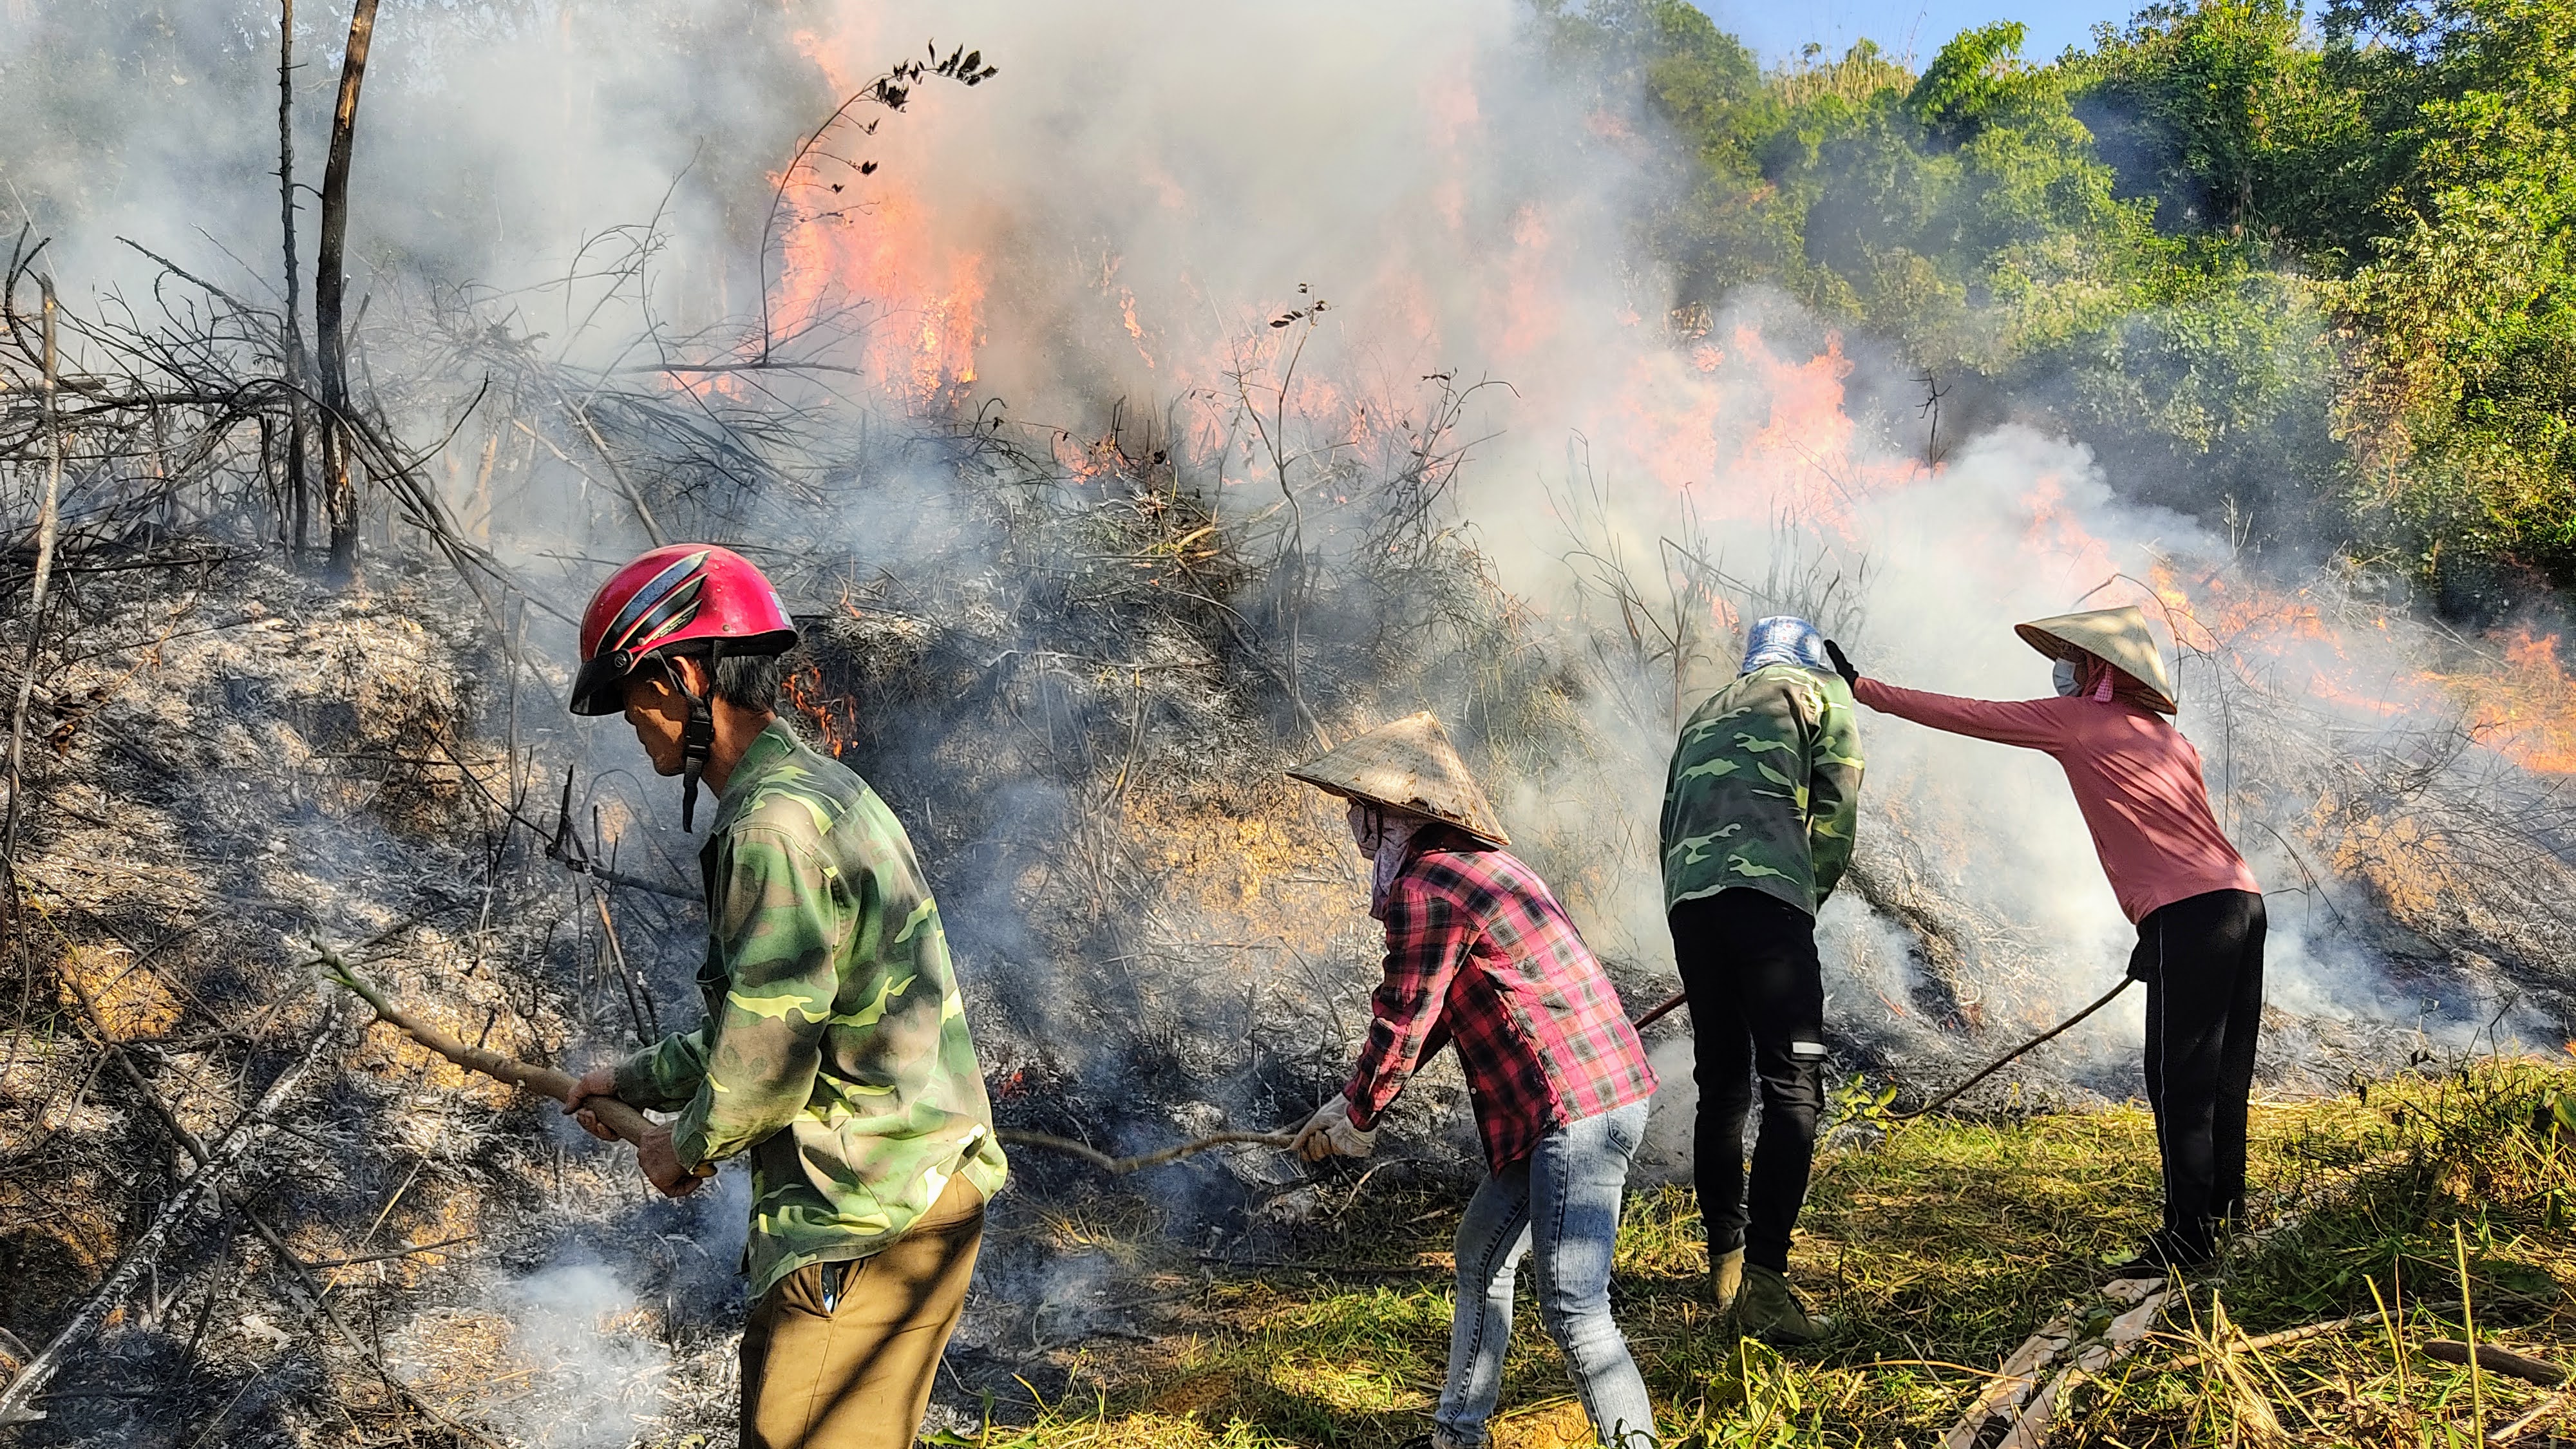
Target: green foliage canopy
x=2313 y=279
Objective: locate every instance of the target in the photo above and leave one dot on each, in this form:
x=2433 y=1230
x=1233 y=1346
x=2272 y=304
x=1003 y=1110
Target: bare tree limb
x=220 y=1160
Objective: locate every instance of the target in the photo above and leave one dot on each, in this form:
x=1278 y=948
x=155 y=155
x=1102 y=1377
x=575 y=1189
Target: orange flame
x=871 y=241
x=835 y=716
x=2524 y=705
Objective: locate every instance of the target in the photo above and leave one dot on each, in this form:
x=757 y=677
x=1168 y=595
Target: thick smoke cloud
x=1113 y=222
x=1110 y=224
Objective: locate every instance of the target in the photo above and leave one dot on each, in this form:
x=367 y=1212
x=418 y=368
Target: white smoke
x=1117 y=217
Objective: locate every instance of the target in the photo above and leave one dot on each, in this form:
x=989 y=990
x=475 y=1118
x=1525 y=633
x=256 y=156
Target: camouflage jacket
x=834 y=1050
x=1763 y=790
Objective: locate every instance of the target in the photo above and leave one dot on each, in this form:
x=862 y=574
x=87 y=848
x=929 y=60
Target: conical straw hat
x=1410 y=765
x=2118 y=636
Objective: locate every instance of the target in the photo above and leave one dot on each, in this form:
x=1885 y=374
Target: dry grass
x=1942 y=1247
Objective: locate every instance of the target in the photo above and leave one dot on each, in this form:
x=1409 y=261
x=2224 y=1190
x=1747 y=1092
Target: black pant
x=2202 y=960
x=1757 y=1002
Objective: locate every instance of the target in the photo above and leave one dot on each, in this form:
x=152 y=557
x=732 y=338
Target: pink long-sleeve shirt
x=2135 y=777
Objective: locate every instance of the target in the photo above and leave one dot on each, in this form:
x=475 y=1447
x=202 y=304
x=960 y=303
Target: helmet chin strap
x=698 y=736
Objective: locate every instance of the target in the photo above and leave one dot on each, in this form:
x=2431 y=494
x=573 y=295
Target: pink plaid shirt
x=1478 y=951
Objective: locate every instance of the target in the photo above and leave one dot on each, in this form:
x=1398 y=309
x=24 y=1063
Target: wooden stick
x=2275 y=1340
x=631 y=1124
x=616 y=1116
x=2497 y=1360
x=1662 y=1009
x=1014 y=1137
x=2008 y=1058
x=2539 y=1411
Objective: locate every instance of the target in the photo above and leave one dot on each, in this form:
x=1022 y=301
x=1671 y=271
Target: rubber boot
x=2166 y=1253
x=1769 y=1310
x=1726 y=1279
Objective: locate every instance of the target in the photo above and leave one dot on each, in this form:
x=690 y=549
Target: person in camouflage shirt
x=1757 y=829
x=834 y=1058
x=834 y=1051
x=1764 y=787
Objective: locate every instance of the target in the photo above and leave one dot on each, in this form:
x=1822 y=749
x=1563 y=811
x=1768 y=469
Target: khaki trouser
x=858 y=1376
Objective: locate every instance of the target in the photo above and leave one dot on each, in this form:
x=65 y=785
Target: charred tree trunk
x=296 y=493
x=330 y=289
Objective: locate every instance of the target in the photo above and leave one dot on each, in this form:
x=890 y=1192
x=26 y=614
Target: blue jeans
x=1564 y=1197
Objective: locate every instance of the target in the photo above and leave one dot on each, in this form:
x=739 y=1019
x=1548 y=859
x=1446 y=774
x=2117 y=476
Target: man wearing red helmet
x=834 y=1054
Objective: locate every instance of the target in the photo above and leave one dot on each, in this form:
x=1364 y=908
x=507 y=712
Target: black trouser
x=2202 y=960
x=1757 y=1002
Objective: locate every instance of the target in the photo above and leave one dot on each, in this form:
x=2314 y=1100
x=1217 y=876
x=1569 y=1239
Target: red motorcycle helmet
x=685 y=598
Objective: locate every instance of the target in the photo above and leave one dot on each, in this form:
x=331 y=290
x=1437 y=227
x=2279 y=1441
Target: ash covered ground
x=1160 y=936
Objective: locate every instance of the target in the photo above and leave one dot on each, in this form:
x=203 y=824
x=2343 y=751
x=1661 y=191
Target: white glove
x=1329 y=1133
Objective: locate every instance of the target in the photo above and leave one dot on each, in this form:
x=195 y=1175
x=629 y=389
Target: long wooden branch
x=631 y=1124
x=616 y=1116
x=1014 y=1137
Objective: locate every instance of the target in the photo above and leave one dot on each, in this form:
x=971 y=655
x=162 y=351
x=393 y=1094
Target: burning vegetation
x=1114 y=452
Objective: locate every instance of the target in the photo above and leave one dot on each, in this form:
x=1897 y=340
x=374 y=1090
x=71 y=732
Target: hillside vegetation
x=2305 y=276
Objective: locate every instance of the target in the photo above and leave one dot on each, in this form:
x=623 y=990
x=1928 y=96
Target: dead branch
x=306 y=1291
x=2542 y=1410
x=2498 y=1361
x=220 y=1160
x=615 y=1115
x=2277 y=1339
x=2015 y=1409
x=1014 y=1137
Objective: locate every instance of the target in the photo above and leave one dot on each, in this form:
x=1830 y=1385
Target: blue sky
x=1776 y=29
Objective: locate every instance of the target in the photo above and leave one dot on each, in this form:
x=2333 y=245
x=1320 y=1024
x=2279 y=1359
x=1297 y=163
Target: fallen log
x=631 y=1125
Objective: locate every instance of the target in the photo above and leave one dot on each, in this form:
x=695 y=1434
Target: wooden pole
x=631 y=1124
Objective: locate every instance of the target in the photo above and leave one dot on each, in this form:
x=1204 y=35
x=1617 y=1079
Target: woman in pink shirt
x=2198 y=909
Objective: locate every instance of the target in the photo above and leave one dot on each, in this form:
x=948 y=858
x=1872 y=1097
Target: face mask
x=2065 y=678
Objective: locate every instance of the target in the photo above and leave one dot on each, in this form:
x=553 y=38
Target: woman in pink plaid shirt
x=1479 y=954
